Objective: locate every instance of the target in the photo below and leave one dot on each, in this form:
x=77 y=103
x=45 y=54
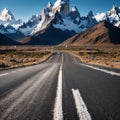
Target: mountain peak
x=6 y=15
x=74 y=9
x=114 y=10
x=49 y=5
x=90 y=14
x=61 y=6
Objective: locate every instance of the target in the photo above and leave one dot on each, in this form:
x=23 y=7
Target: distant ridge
x=49 y=36
x=102 y=34
x=6 y=41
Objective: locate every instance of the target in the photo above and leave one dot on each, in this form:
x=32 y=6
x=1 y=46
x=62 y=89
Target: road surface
x=62 y=88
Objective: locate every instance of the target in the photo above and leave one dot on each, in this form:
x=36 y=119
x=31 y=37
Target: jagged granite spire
x=75 y=15
x=49 y=5
x=6 y=15
x=90 y=14
x=61 y=6
x=114 y=10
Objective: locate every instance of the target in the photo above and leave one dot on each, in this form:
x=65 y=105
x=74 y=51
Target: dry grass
x=105 y=56
x=11 y=57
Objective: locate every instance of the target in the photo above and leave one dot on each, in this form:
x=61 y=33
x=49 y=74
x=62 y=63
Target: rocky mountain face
x=56 y=17
x=59 y=14
x=112 y=16
x=6 y=15
x=58 y=21
x=8 y=24
x=61 y=17
x=103 y=33
x=7 y=41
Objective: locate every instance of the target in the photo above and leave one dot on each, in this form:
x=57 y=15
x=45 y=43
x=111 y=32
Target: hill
x=103 y=33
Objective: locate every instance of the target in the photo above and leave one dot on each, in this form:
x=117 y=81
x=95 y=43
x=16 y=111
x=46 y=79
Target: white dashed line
x=58 y=110
x=82 y=110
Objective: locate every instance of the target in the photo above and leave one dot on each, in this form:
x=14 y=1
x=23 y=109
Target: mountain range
x=55 y=24
x=7 y=41
x=103 y=33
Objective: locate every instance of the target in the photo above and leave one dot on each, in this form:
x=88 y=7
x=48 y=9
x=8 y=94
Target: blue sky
x=24 y=9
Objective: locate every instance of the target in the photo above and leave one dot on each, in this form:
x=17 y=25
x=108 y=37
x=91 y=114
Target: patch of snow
x=74 y=9
x=27 y=31
x=100 y=17
x=38 y=27
x=68 y=25
x=6 y=15
x=117 y=24
x=114 y=17
x=51 y=14
x=16 y=26
x=58 y=3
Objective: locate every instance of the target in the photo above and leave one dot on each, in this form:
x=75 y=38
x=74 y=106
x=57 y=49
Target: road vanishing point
x=61 y=88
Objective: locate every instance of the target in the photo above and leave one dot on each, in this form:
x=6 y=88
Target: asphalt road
x=62 y=88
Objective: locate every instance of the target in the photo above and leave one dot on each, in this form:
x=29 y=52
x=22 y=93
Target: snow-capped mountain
x=6 y=15
x=61 y=17
x=8 y=22
x=28 y=27
x=56 y=16
x=112 y=16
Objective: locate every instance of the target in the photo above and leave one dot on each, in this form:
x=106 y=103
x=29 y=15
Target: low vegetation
x=11 y=57
x=105 y=56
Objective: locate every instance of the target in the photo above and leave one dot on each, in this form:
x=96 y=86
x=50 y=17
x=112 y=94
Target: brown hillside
x=102 y=34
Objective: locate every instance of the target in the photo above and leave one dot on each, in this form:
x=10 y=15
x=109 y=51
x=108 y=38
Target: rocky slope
x=6 y=41
x=56 y=17
x=102 y=34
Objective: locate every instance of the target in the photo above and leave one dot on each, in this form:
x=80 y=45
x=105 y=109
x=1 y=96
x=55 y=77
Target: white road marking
x=58 y=110
x=25 y=90
x=82 y=110
x=62 y=58
x=4 y=74
x=103 y=70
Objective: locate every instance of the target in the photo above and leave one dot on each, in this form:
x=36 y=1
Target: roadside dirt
x=16 y=57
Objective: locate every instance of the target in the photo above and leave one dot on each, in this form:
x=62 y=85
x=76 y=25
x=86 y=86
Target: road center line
x=82 y=110
x=4 y=74
x=58 y=110
x=103 y=70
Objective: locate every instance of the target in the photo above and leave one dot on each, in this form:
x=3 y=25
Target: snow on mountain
x=9 y=22
x=30 y=25
x=75 y=15
x=62 y=18
x=112 y=16
x=6 y=15
x=68 y=24
x=61 y=6
x=59 y=16
x=101 y=16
